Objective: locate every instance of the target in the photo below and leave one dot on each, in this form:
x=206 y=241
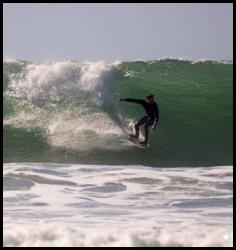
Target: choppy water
x=89 y=205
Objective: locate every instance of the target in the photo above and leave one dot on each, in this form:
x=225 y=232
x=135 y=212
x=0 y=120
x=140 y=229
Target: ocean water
x=71 y=177
x=104 y=205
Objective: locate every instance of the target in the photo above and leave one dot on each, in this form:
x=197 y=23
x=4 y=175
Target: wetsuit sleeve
x=156 y=112
x=139 y=101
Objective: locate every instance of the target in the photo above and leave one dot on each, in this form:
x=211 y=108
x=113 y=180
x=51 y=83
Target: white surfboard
x=137 y=143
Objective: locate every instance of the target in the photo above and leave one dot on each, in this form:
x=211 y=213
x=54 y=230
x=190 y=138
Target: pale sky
x=117 y=31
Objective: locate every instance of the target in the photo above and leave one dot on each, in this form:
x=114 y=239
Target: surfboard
x=137 y=143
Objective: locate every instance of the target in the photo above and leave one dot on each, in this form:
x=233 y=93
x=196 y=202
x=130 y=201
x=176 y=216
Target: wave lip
x=59 y=81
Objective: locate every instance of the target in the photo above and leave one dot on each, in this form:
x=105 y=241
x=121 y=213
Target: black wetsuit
x=151 y=117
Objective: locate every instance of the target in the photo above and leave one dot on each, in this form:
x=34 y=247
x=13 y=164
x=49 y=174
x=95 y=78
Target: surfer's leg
x=139 y=124
x=146 y=127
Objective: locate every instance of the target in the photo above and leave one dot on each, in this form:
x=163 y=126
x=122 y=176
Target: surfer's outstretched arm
x=139 y=101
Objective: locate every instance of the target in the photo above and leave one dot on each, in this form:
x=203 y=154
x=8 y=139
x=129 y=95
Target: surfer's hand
x=154 y=127
x=121 y=100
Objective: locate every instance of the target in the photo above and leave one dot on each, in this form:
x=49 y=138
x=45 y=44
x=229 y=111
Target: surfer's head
x=150 y=98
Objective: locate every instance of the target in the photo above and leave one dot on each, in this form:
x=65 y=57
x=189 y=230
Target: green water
x=196 y=116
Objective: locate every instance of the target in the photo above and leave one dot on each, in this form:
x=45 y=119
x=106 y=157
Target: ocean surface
x=71 y=177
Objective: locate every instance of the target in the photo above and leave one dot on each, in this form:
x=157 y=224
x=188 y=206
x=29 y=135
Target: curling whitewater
x=90 y=205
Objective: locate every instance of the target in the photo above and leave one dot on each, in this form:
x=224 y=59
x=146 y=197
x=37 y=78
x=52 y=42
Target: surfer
x=150 y=119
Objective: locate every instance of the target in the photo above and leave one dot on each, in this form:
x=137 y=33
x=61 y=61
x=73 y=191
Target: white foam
x=62 y=80
x=85 y=132
x=55 y=235
x=89 y=205
x=81 y=126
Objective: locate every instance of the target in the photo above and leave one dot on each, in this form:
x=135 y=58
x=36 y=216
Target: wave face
x=67 y=111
